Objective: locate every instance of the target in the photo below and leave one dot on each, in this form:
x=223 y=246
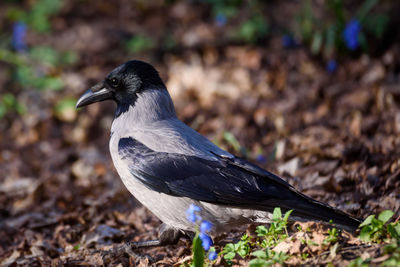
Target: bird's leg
x=167 y=235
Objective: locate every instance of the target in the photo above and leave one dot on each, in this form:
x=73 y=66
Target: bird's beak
x=95 y=94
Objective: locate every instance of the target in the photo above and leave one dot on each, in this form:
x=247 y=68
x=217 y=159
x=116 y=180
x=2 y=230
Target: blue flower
x=206 y=241
x=261 y=159
x=205 y=226
x=331 y=66
x=220 y=19
x=288 y=41
x=18 y=36
x=212 y=255
x=350 y=34
x=191 y=213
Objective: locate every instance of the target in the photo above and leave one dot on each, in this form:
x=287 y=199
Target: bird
x=168 y=166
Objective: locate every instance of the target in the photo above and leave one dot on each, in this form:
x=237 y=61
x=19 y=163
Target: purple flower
x=206 y=241
x=331 y=66
x=205 y=226
x=220 y=20
x=212 y=255
x=191 y=213
x=261 y=159
x=18 y=36
x=350 y=34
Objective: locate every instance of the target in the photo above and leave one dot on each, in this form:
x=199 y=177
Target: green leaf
x=337 y=7
x=367 y=221
x=9 y=100
x=277 y=214
x=259 y=253
x=3 y=110
x=15 y=14
x=377 y=24
x=232 y=141
x=287 y=214
x=280 y=257
x=305 y=21
x=258 y=263
x=198 y=252
x=391 y=262
x=230 y=255
x=330 y=40
x=316 y=43
x=365 y=8
x=365 y=234
x=359 y=262
x=253 y=29
x=389 y=248
x=40 y=13
x=385 y=216
x=261 y=230
x=362 y=39
x=49 y=83
x=68 y=58
x=242 y=252
x=394 y=230
x=39 y=22
x=45 y=54
x=140 y=43
x=229 y=247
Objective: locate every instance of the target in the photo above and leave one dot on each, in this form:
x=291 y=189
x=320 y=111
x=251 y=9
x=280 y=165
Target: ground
x=333 y=135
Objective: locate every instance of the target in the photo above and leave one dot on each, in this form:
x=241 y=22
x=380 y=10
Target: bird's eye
x=114 y=82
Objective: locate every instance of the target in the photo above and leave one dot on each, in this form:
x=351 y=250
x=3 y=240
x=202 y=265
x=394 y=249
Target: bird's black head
x=123 y=85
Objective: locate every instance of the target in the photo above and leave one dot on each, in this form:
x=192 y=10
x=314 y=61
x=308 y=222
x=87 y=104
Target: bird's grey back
x=152 y=121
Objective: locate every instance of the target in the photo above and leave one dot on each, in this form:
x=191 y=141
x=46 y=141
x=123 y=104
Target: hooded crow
x=167 y=165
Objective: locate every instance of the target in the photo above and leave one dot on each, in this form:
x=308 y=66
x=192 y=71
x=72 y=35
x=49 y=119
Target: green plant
x=380 y=230
x=232 y=141
x=8 y=103
x=39 y=14
x=241 y=248
x=248 y=29
x=276 y=232
x=393 y=250
x=253 y=29
x=305 y=255
x=359 y=262
x=140 y=43
x=228 y=8
x=339 y=29
x=332 y=236
x=37 y=68
x=373 y=229
x=198 y=252
x=267 y=257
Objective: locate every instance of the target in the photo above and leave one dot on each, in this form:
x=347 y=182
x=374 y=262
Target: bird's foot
x=167 y=235
x=143 y=244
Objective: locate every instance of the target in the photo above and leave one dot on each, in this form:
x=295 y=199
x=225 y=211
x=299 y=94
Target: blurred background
x=308 y=89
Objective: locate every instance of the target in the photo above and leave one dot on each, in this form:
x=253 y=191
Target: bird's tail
x=307 y=208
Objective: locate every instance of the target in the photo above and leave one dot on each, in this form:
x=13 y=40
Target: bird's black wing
x=224 y=181
x=228 y=181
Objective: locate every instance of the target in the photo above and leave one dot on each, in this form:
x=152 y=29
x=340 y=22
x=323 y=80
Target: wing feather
x=228 y=181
